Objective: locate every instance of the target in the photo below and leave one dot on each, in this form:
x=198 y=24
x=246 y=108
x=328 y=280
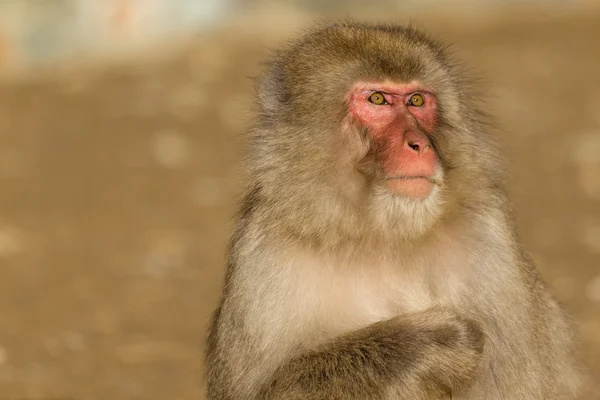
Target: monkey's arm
x=413 y=356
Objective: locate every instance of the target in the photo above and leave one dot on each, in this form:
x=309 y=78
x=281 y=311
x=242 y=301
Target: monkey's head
x=369 y=130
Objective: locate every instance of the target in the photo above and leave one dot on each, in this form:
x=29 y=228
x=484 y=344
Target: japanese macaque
x=374 y=254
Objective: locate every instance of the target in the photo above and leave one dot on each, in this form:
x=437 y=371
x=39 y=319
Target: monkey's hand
x=448 y=349
x=423 y=355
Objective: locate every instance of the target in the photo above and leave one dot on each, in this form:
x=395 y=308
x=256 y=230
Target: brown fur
x=338 y=290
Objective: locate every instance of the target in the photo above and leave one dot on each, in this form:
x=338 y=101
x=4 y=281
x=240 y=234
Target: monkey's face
x=398 y=119
x=370 y=130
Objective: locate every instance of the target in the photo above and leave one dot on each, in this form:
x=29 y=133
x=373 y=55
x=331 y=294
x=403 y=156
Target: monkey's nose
x=416 y=142
x=415 y=146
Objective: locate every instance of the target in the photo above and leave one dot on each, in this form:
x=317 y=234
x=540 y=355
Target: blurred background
x=121 y=130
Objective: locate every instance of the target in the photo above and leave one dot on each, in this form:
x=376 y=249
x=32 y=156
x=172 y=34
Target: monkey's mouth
x=408 y=178
x=419 y=186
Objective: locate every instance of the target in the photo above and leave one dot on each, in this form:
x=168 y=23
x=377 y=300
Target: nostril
x=414 y=146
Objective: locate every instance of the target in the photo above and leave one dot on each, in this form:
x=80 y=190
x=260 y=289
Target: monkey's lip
x=419 y=186
x=407 y=178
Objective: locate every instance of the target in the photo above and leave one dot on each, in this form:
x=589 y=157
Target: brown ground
x=118 y=186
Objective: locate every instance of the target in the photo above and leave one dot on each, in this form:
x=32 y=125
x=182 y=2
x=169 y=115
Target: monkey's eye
x=377 y=98
x=416 y=100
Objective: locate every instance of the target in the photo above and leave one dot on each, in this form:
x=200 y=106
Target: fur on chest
x=330 y=297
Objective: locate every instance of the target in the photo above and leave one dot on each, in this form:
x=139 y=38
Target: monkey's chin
x=416 y=187
x=401 y=216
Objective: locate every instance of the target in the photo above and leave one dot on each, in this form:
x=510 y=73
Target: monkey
x=374 y=254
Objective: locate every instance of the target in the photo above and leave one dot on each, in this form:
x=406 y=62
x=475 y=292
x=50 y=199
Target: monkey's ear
x=272 y=88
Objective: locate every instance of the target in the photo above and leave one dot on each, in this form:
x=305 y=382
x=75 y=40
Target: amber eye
x=416 y=100
x=377 y=98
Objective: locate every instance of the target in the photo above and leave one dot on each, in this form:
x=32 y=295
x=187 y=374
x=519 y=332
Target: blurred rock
x=74 y=341
x=186 y=101
x=170 y=149
x=566 y=286
x=35 y=32
x=55 y=345
x=234 y=111
x=8 y=373
x=207 y=62
x=52 y=346
x=587 y=149
x=590 y=330
x=591 y=235
x=150 y=352
x=592 y=289
x=82 y=288
x=16 y=163
x=104 y=321
x=78 y=83
x=207 y=191
x=547 y=232
x=166 y=254
x=594 y=109
x=11 y=241
x=3 y=356
x=587 y=159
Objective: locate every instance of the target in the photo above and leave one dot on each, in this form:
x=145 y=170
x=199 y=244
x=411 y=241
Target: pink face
x=398 y=128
